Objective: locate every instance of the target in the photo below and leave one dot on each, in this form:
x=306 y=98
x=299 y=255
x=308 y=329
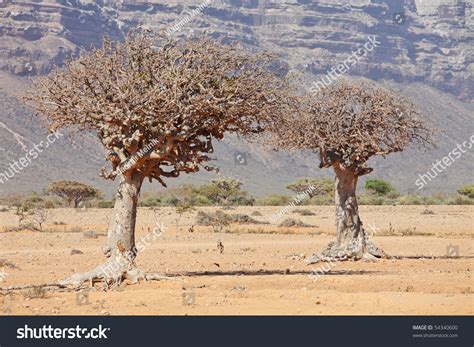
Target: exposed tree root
x=358 y=249
x=111 y=275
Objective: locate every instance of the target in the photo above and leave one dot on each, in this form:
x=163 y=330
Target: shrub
x=460 y=200
x=151 y=201
x=320 y=200
x=291 y=222
x=304 y=212
x=467 y=190
x=418 y=200
x=209 y=218
x=90 y=234
x=273 y=200
x=377 y=186
x=375 y=200
x=105 y=204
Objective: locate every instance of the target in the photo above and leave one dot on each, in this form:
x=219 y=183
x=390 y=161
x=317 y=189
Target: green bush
x=467 y=190
x=377 y=186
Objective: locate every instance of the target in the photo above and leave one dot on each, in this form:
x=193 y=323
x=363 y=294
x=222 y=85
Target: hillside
x=425 y=51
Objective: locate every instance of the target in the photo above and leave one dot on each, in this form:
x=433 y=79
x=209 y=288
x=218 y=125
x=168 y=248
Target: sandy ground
x=261 y=270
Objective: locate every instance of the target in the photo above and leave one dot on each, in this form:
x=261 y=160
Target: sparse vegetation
x=75 y=229
x=378 y=186
x=181 y=209
x=467 y=190
x=90 y=234
x=8 y=264
x=304 y=212
x=292 y=222
x=73 y=192
x=219 y=219
x=35 y=293
x=273 y=200
x=313 y=187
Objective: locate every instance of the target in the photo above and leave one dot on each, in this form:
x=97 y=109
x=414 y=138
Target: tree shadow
x=271 y=273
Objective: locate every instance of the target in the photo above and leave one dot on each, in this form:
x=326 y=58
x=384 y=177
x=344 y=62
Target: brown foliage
x=350 y=122
x=157 y=109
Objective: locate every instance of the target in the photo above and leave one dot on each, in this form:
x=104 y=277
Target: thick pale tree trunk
x=351 y=239
x=121 y=234
x=120 y=248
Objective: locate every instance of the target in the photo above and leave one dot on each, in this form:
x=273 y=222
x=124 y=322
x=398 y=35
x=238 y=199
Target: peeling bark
x=352 y=240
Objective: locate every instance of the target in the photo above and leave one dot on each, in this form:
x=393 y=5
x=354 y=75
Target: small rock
x=76 y=251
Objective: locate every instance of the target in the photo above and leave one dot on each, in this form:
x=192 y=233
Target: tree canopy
x=156 y=104
x=312 y=186
x=349 y=122
x=73 y=192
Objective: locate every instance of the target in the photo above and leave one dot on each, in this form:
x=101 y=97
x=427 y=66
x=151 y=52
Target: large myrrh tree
x=346 y=125
x=156 y=105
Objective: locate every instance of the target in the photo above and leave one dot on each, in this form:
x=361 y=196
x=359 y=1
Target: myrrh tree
x=73 y=192
x=157 y=105
x=346 y=125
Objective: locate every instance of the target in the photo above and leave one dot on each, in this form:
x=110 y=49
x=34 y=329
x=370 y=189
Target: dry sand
x=261 y=270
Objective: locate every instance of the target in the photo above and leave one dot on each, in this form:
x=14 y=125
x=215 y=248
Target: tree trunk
x=351 y=238
x=120 y=248
x=121 y=233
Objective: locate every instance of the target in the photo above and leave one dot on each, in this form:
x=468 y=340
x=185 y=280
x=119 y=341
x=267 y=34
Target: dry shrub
x=304 y=212
x=8 y=264
x=90 y=234
x=35 y=293
x=291 y=222
x=210 y=218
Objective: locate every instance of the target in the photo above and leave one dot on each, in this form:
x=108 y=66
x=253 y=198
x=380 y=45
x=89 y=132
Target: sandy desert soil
x=261 y=270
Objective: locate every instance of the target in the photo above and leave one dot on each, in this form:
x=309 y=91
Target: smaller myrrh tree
x=346 y=125
x=73 y=192
x=224 y=192
x=312 y=186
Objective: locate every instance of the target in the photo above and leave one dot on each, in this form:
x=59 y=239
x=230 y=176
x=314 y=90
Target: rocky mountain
x=425 y=49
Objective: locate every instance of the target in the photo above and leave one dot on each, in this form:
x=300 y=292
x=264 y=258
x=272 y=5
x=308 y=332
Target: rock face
x=426 y=49
x=426 y=41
